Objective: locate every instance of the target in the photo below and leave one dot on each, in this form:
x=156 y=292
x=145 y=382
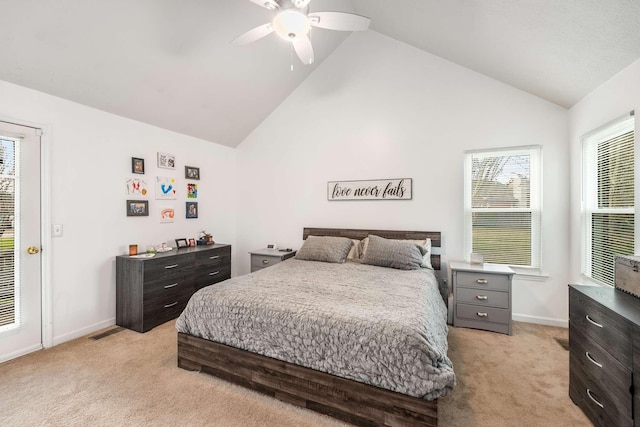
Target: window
x=608 y=197
x=503 y=205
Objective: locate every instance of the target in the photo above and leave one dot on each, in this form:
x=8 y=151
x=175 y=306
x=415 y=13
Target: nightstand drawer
x=483 y=314
x=264 y=260
x=483 y=297
x=499 y=282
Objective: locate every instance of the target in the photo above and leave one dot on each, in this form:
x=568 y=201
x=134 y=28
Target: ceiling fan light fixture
x=291 y=24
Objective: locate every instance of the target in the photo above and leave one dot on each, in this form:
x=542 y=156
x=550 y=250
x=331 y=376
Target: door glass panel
x=9 y=287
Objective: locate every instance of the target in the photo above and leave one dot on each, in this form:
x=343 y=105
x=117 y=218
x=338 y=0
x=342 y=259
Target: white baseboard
x=21 y=352
x=84 y=331
x=561 y=323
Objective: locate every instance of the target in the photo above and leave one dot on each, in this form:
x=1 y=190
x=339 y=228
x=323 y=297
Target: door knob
x=32 y=250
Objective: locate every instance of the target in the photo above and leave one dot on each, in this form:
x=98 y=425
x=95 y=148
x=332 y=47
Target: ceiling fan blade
x=252 y=35
x=304 y=49
x=267 y=4
x=340 y=21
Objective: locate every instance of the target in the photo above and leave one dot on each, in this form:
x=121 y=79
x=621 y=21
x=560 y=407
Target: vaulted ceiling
x=169 y=62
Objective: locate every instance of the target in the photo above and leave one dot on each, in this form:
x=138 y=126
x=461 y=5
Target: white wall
x=90 y=162
x=378 y=108
x=615 y=98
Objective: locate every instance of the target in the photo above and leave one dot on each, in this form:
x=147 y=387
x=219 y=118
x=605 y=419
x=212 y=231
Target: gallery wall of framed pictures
x=163 y=188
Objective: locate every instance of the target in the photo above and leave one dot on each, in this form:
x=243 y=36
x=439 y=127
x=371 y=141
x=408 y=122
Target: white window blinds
x=503 y=205
x=608 y=197
x=9 y=284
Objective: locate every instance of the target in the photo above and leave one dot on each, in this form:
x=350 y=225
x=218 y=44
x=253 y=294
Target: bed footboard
x=348 y=400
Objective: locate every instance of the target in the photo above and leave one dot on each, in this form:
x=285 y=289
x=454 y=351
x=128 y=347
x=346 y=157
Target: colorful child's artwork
x=165 y=188
x=167 y=214
x=137 y=186
x=192 y=191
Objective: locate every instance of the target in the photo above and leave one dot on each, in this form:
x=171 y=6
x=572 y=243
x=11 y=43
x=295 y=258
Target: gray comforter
x=375 y=325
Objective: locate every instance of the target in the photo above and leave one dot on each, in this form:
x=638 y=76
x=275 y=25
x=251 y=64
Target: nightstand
x=263 y=258
x=482 y=296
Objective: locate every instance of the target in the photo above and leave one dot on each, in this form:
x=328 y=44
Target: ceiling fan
x=292 y=21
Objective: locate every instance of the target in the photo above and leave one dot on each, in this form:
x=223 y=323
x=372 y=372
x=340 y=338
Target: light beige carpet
x=131 y=379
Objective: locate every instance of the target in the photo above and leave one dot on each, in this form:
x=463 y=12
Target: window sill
x=529 y=274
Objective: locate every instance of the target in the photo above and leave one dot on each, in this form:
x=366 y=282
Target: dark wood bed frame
x=348 y=400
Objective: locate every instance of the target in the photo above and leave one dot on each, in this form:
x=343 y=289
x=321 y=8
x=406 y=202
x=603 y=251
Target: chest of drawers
x=604 y=358
x=264 y=258
x=151 y=291
x=481 y=296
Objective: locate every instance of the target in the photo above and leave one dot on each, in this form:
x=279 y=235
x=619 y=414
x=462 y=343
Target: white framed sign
x=375 y=189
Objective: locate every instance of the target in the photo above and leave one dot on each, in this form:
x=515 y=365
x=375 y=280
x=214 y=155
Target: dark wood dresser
x=151 y=291
x=604 y=359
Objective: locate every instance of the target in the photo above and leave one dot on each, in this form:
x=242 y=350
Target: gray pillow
x=325 y=249
x=400 y=254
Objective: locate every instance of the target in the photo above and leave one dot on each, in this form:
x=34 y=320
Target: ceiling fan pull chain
x=291 y=56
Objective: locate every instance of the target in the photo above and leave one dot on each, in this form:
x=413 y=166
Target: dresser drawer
x=594 y=401
x=499 y=282
x=173 y=286
x=167 y=267
x=214 y=257
x=602 y=326
x=603 y=369
x=211 y=275
x=164 y=309
x=482 y=297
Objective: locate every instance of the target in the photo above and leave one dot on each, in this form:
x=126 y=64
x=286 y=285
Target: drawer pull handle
x=482 y=297
x=171 y=286
x=214 y=257
x=593 y=322
x=482 y=281
x=171 y=305
x=171 y=266
x=594 y=400
x=599 y=365
x=482 y=314
x=214 y=273
x=265 y=261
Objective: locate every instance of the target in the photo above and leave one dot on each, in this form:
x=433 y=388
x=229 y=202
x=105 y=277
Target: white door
x=20 y=259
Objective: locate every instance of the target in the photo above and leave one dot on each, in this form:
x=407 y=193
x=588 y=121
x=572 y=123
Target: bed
x=260 y=331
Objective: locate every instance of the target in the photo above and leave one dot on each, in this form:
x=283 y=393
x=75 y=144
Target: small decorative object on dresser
x=263 y=258
x=604 y=354
x=482 y=296
x=151 y=291
x=182 y=243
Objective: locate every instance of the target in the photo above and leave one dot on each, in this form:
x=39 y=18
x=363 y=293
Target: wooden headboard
x=387 y=234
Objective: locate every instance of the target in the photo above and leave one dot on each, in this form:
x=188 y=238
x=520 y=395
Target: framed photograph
x=192 y=242
x=192 y=209
x=182 y=243
x=166 y=160
x=192 y=191
x=137 y=208
x=137 y=165
x=191 y=172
